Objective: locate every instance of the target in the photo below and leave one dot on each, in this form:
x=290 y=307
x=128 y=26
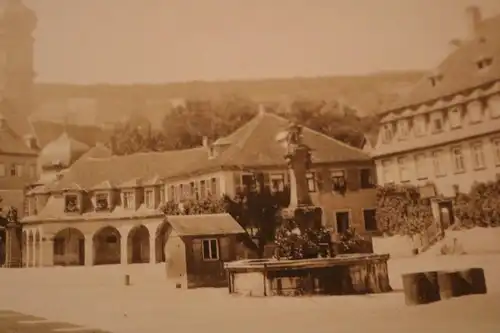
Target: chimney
x=473 y=17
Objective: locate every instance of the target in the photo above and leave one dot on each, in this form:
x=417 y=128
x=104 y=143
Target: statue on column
x=301 y=217
x=13 y=238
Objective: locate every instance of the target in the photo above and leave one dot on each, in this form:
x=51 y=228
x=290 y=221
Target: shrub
x=480 y=207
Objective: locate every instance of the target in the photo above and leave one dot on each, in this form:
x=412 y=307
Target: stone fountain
x=342 y=274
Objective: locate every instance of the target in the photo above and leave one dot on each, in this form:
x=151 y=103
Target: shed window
x=210 y=249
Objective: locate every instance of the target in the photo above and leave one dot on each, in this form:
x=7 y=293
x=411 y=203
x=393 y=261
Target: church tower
x=17 y=24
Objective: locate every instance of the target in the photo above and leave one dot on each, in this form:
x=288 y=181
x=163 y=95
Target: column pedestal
x=89 y=251
x=13 y=249
x=152 y=250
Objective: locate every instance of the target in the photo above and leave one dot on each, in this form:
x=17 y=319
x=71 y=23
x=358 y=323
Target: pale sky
x=127 y=41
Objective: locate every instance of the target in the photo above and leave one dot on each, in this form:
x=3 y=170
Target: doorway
x=446 y=214
x=343 y=221
x=81 y=252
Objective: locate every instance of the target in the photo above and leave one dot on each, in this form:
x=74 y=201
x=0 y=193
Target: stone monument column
x=13 y=233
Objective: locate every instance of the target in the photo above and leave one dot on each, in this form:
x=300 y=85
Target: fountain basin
x=346 y=274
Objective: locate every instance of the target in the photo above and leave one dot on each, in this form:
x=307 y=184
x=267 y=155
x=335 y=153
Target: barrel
x=421 y=288
x=474 y=281
x=127 y=280
x=450 y=284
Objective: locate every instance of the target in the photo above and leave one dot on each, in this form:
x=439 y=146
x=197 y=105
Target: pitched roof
x=90 y=172
x=204 y=225
x=11 y=142
x=64 y=150
x=254 y=145
x=47 y=132
x=459 y=70
x=17 y=119
x=251 y=146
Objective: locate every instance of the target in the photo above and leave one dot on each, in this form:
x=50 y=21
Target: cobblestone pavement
x=15 y=322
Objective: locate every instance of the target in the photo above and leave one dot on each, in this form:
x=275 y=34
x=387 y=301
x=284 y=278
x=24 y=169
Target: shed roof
x=205 y=225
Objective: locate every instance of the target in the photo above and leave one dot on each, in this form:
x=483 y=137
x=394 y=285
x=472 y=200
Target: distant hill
x=103 y=103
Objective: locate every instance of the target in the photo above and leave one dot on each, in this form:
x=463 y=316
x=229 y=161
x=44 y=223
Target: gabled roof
x=64 y=150
x=105 y=185
x=120 y=169
x=459 y=70
x=254 y=145
x=205 y=225
x=131 y=183
x=10 y=141
x=47 y=132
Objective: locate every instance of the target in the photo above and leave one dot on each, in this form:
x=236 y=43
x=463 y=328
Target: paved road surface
x=15 y=322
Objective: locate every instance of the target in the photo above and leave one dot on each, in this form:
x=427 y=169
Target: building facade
x=446 y=131
x=103 y=209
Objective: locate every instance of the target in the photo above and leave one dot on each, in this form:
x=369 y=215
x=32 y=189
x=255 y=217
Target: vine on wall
x=401 y=210
x=480 y=207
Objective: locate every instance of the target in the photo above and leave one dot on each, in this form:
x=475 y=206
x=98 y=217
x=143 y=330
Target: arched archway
x=107 y=246
x=138 y=245
x=162 y=234
x=69 y=247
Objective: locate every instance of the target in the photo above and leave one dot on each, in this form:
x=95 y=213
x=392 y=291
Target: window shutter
x=353 y=179
x=225 y=251
x=197 y=250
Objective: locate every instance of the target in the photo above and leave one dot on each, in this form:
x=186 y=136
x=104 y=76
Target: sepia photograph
x=249 y=166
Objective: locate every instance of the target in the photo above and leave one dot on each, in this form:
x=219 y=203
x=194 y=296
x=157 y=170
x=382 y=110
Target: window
x=213 y=187
x=484 y=63
x=403 y=128
x=203 y=189
x=458 y=159
x=366 y=176
x=59 y=246
x=71 y=204
x=343 y=221
x=419 y=125
x=311 y=181
x=439 y=163
x=210 y=249
x=496 y=151
x=128 y=200
x=171 y=194
x=404 y=170
x=387 y=133
x=387 y=174
x=475 y=112
x=162 y=194
x=369 y=216
x=2 y=170
x=277 y=182
x=32 y=171
x=420 y=161
x=338 y=180
x=149 y=199
x=455 y=117
x=494 y=106
x=437 y=122
x=16 y=170
x=101 y=201
x=478 y=159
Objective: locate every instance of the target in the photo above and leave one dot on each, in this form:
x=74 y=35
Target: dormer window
x=437 y=122
x=403 y=129
x=435 y=79
x=419 y=125
x=128 y=200
x=455 y=117
x=71 y=203
x=387 y=133
x=475 y=112
x=494 y=106
x=149 y=198
x=484 y=63
x=102 y=202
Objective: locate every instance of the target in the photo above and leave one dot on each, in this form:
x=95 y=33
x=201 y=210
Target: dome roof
x=63 y=151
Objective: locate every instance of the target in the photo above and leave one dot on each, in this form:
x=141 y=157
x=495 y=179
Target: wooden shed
x=198 y=246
